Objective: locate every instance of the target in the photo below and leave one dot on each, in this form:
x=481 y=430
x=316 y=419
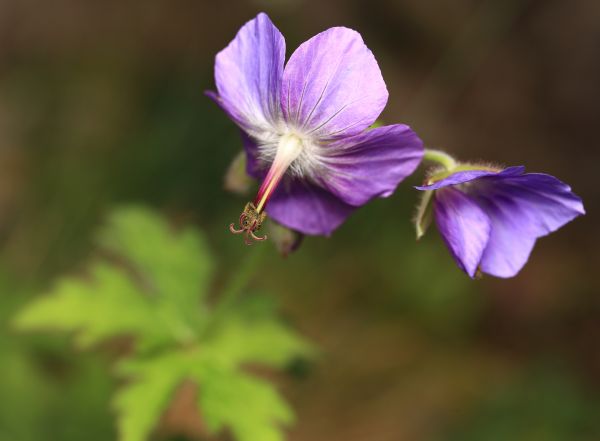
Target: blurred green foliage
x=43 y=383
x=152 y=285
x=542 y=404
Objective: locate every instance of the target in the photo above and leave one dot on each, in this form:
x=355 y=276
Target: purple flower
x=305 y=126
x=490 y=218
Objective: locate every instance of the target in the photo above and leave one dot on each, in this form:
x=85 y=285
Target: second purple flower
x=305 y=126
x=490 y=218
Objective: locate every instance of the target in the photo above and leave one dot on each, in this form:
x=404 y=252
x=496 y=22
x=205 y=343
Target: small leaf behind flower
x=424 y=214
x=236 y=179
x=286 y=240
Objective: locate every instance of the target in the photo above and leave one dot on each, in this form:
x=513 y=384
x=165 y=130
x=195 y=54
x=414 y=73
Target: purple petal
x=464 y=226
x=470 y=175
x=307 y=208
x=332 y=85
x=253 y=166
x=521 y=209
x=248 y=75
x=372 y=164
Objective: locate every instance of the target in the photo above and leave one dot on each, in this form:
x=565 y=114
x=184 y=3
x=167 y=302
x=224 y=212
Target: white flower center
x=302 y=156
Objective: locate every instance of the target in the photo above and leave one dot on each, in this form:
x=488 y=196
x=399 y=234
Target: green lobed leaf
x=177 y=265
x=107 y=305
x=249 y=407
x=141 y=402
x=251 y=334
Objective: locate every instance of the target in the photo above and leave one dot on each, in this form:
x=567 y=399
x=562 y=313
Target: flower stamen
x=288 y=149
x=250 y=221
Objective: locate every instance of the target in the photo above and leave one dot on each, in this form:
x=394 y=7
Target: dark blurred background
x=102 y=103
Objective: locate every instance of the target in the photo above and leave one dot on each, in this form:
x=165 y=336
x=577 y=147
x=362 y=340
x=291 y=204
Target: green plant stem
x=237 y=284
x=235 y=288
x=441 y=158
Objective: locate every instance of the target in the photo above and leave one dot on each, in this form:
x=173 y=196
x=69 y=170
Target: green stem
x=235 y=288
x=439 y=157
x=237 y=284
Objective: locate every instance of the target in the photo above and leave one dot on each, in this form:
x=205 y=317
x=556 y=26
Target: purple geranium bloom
x=491 y=218
x=305 y=126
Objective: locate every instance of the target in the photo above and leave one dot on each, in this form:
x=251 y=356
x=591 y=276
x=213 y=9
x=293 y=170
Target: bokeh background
x=102 y=103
